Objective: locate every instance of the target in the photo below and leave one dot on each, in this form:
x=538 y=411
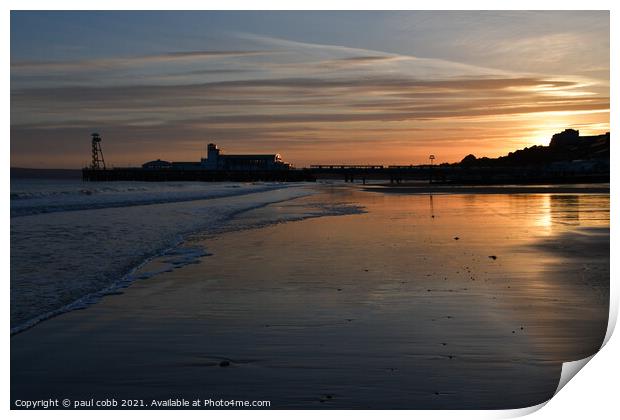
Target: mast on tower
x=97 y=162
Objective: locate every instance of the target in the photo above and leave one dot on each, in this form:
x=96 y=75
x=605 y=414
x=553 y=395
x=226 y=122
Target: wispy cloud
x=315 y=101
x=76 y=65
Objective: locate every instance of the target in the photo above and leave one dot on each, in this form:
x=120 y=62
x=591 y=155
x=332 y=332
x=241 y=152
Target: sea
x=73 y=242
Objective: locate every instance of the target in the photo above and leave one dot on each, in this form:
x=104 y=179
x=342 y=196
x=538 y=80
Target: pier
x=569 y=158
x=352 y=173
x=205 y=175
x=455 y=174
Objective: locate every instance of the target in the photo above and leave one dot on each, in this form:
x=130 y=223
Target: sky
x=316 y=87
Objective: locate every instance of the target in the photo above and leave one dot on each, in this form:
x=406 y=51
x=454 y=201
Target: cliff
x=566 y=146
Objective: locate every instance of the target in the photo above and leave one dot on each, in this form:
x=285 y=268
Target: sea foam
x=68 y=249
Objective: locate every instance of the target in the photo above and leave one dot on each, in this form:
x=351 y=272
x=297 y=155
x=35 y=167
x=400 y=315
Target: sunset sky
x=317 y=87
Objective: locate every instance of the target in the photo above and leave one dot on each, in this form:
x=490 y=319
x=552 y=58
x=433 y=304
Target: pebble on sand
x=493 y=257
x=456 y=238
x=327 y=397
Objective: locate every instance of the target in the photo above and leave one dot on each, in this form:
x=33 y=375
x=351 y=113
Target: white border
x=592 y=393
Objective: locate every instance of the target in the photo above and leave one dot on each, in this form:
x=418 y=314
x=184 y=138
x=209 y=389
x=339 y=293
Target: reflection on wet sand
x=564 y=209
x=386 y=309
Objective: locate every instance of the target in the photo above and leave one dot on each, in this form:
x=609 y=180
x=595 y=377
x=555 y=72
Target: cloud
x=395 y=85
x=368 y=58
x=307 y=95
x=213 y=71
x=76 y=65
x=357 y=61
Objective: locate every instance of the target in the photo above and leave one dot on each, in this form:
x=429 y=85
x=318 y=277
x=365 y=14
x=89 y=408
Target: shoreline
x=171 y=249
x=117 y=270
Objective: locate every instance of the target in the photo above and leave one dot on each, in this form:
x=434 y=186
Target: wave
x=75 y=196
x=81 y=257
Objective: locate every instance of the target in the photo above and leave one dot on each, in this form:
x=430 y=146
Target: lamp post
x=430 y=169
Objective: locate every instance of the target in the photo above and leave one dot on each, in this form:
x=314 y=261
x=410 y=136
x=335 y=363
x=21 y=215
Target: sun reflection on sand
x=543 y=220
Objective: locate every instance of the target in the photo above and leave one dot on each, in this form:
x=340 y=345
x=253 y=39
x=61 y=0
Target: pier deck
x=163 y=175
x=354 y=173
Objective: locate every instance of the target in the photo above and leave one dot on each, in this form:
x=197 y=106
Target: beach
x=345 y=297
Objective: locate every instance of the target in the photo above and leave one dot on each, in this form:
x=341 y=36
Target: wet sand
x=426 y=188
x=386 y=309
